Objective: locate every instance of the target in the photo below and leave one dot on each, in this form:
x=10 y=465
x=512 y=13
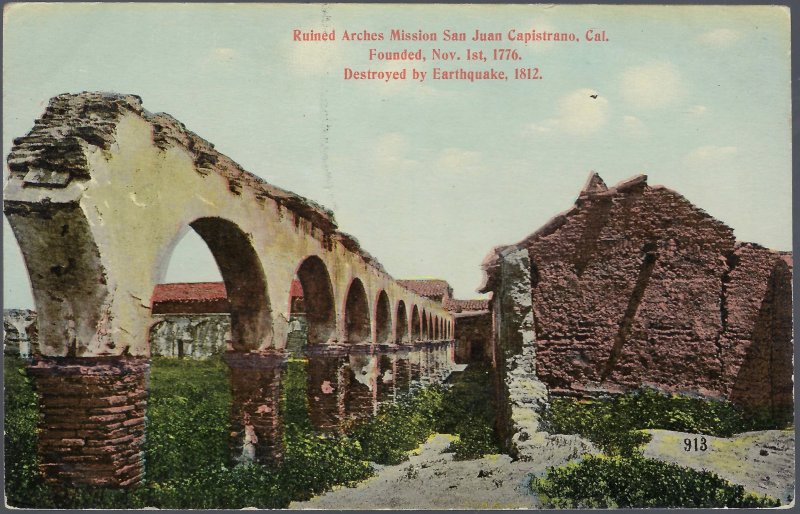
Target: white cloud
x=720 y=38
x=223 y=54
x=634 y=127
x=458 y=160
x=651 y=86
x=580 y=113
x=391 y=154
x=697 y=110
x=710 y=155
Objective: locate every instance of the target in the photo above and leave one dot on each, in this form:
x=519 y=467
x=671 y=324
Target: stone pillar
x=402 y=375
x=92 y=423
x=361 y=399
x=256 y=422
x=327 y=385
x=415 y=367
x=387 y=374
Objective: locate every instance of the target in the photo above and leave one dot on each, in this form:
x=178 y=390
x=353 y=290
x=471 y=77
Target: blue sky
x=430 y=176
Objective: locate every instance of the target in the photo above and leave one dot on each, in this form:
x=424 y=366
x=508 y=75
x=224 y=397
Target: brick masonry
x=92 y=424
x=256 y=421
x=636 y=286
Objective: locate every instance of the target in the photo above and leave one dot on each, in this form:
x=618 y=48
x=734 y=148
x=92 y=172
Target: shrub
x=468 y=410
x=614 y=424
x=624 y=482
x=21 y=418
x=188 y=417
x=400 y=427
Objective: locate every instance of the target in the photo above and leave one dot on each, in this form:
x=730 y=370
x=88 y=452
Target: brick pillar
x=387 y=373
x=402 y=376
x=425 y=364
x=415 y=367
x=92 y=423
x=256 y=422
x=361 y=398
x=327 y=384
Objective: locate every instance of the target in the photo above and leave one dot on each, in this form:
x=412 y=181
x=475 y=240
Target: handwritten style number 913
x=697 y=444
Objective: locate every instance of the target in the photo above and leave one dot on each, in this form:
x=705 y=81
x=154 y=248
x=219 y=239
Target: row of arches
x=352 y=318
x=390 y=324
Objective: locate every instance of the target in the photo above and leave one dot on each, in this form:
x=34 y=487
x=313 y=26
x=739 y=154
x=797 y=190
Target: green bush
x=23 y=486
x=468 y=410
x=614 y=424
x=400 y=427
x=188 y=417
x=624 y=482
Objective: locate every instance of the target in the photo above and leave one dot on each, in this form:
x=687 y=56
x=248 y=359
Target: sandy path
x=433 y=480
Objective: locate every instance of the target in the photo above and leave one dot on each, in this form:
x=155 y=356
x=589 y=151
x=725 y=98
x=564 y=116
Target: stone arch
x=356 y=314
x=318 y=299
x=416 y=328
x=401 y=322
x=245 y=282
x=423 y=330
x=383 y=319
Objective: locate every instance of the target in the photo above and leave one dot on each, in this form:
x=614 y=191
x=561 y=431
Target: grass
x=186 y=450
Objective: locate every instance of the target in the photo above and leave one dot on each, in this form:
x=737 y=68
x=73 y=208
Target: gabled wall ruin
x=636 y=286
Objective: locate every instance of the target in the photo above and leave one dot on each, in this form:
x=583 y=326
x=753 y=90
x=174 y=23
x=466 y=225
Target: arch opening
x=241 y=293
x=356 y=312
x=383 y=319
x=401 y=334
x=245 y=283
x=416 y=325
x=317 y=300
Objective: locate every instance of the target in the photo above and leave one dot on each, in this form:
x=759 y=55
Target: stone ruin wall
x=636 y=286
x=189 y=335
x=20 y=333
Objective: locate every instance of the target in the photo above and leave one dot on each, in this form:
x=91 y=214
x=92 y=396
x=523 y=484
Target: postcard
x=400 y=256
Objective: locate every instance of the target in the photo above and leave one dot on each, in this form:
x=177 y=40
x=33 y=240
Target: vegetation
x=614 y=424
x=622 y=477
x=622 y=482
x=468 y=411
x=186 y=452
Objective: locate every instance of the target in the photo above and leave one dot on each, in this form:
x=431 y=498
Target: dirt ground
x=763 y=462
x=433 y=480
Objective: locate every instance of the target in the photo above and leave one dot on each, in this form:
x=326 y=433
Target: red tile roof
x=428 y=287
x=466 y=305
x=189 y=292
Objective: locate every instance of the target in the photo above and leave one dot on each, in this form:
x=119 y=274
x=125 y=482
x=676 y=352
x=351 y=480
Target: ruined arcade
x=99 y=193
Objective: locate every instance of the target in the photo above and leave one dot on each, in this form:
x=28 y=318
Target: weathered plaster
x=118 y=194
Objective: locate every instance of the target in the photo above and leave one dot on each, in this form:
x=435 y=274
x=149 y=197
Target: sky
x=430 y=176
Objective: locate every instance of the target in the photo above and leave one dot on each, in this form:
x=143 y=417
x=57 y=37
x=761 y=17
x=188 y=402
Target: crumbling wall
x=20 y=332
x=195 y=336
x=521 y=397
x=473 y=337
x=757 y=342
x=636 y=286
